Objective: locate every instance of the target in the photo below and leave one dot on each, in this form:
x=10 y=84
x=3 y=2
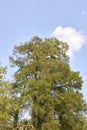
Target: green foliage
x=5 y=100
x=48 y=86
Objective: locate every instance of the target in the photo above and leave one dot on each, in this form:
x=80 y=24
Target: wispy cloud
x=83 y=12
x=85 y=78
x=74 y=38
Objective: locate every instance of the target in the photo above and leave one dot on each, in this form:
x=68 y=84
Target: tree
x=5 y=100
x=9 y=104
x=48 y=85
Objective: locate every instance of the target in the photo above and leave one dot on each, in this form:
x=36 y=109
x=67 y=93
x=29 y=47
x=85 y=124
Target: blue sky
x=20 y=20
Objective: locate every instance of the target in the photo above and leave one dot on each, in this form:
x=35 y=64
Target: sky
x=66 y=20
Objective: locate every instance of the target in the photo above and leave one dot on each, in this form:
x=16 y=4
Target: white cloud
x=74 y=38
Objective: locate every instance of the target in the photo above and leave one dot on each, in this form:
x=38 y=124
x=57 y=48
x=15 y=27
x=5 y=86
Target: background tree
x=5 y=100
x=9 y=103
x=48 y=85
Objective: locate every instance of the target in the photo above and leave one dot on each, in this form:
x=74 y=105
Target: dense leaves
x=5 y=100
x=46 y=87
x=49 y=85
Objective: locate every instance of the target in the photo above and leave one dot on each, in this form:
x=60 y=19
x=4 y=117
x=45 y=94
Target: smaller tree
x=5 y=100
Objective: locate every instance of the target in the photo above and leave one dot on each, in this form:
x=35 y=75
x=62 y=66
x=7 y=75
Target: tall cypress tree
x=48 y=85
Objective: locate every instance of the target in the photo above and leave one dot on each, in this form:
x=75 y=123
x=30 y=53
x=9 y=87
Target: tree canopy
x=48 y=85
x=45 y=86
